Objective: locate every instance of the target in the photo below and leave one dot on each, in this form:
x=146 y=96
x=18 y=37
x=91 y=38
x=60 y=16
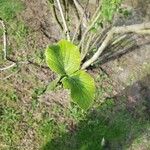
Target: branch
x=94 y=18
x=63 y=19
x=80 y=22
x=8 y=67
x=137 y=28
x=77 y=29
x=82 y=12
x=85 y=50
x=14 y=63
x=56 y=18
x=4 y=40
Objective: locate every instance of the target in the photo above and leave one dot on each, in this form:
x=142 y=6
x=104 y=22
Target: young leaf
x=82 y=88
x=63 y=58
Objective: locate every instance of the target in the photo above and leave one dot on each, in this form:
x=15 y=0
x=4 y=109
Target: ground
x=33 y=118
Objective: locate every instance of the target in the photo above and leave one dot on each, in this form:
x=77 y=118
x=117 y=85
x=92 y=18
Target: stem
x=82 y=12
x=56 y=18
x=83 y=54
x=4 y=40
x=94 y=19
x=63 y=20
x=137 y=28
x=8 y=67
x=80 y=21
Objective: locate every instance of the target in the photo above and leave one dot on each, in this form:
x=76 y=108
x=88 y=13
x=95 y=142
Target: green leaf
x=63 y=58
x=82 y=88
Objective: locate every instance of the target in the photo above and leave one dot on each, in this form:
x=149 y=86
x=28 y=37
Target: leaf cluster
x=64 y=59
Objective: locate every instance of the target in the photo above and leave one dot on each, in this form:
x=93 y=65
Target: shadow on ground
x=114 y=125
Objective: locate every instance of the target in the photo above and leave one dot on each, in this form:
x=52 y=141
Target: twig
x=118 y=39
x=63 y=19
x=95 y=17
x=138 y=28
x=51 y=3
x=66 y=8
x=93 y=40
x=47 y=34
x=14 y=63
x=83 y=53
x=98 y=40
x=77 y=29
x=82 y=12
x=80 y=22
x=143 y=32
x=132 y=28
x=4 y=39
x=8 y=67
x=10 y=75
x=56 y=18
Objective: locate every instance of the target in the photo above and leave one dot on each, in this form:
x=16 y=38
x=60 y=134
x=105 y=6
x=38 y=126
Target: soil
x=130 y=63
x=39 y=17
x=129 y=71
x=123 y=70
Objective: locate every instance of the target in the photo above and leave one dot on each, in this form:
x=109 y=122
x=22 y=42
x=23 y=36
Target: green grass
x=107 y=125
x=117 y=128
x=9 y=95
x=9 y=119
x=17 y=31
x=9 y=9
